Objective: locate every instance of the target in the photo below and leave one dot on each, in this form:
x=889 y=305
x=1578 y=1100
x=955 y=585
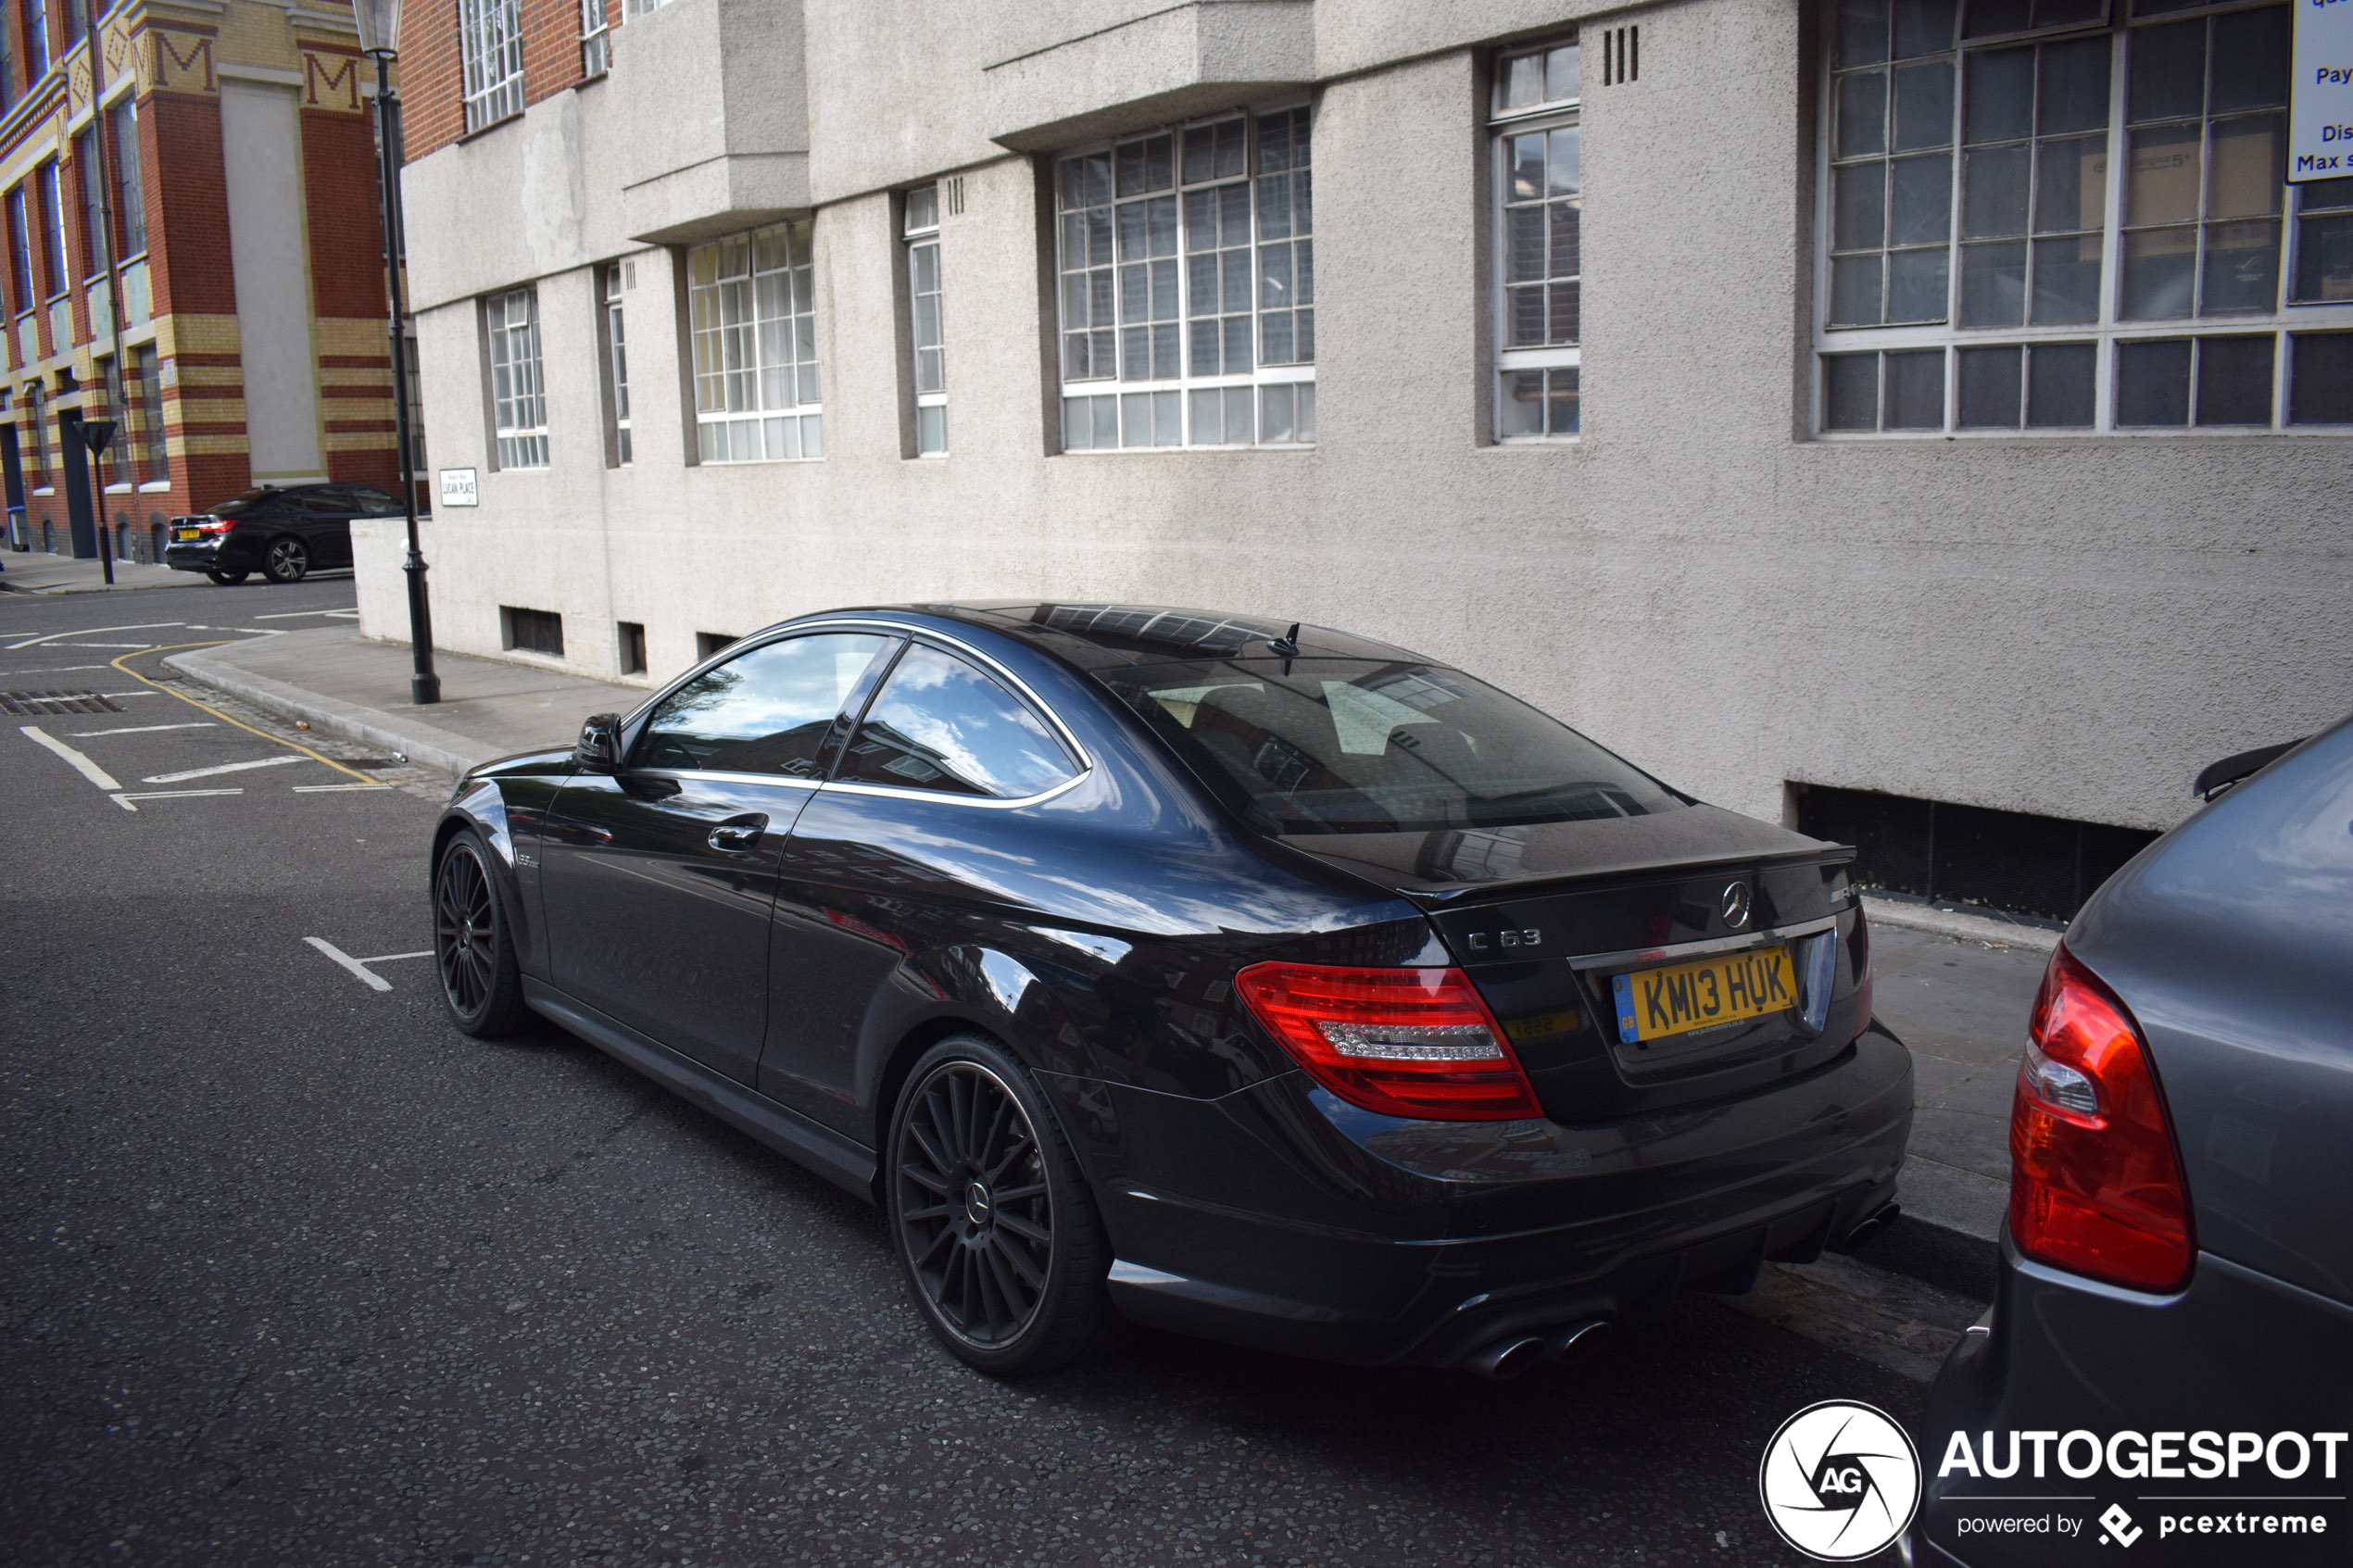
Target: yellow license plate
x=183 y=534
x=1704 y=993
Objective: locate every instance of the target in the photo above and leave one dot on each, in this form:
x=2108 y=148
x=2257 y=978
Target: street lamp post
x=379 y=23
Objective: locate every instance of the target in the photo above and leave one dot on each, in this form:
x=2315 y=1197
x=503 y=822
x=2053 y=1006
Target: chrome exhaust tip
x=1562 y=1341
x=1505 y=1357
x=1877 y=1221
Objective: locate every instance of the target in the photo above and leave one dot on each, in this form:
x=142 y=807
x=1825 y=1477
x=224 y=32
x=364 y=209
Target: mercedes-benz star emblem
x=1736 y=900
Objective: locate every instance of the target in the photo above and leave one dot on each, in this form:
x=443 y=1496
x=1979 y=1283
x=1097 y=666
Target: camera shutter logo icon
x=1841 y=1480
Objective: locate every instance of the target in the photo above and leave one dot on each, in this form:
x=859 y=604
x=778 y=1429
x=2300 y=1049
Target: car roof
x=1102 y=635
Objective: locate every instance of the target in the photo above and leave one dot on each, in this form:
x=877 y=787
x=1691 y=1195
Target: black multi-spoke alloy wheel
x=286 y=560
x=990 y=1216
x=472 y=947
x=227 y=579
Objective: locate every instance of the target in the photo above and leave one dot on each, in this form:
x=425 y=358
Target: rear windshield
x=243 y=503
x=1356 y=746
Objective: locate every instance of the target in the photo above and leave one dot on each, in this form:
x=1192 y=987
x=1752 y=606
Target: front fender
x=482 y=804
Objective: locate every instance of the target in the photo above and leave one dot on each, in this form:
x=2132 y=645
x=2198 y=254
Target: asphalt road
x=292 y=1273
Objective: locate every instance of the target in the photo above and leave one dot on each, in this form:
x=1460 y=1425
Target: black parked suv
x=285 y=534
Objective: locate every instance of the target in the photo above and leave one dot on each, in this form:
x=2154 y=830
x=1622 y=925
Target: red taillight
x=2094 y=1186
x=217 y=524
x=1404 y=1042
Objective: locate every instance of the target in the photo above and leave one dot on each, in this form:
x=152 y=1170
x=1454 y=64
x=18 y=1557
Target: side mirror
x=598 y=749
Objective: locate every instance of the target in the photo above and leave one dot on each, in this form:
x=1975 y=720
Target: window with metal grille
x=1188 y=286
x=1539 y=202
x=751 y=301
x=490 y=51
x=532 y=631
x=926 y=329
x=2072 y=215
x=518 y=390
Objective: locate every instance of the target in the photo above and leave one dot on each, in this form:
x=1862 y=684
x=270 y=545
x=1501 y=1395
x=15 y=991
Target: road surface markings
x=145 y=728
x=221 y=768
x=359 y=966
x=299 y=614
x=82 y=764
x=123 y=799
x=208 y=708
x=91 y=632
x=134 y=646
x=330 y=789
x=61 y=668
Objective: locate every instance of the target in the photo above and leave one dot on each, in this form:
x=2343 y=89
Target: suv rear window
x=1358 y=746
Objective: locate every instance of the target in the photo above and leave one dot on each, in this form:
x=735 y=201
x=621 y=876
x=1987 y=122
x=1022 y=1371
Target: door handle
x=738 y=834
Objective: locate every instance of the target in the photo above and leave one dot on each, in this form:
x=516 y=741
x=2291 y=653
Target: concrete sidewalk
x=341 y=682
x=33 y=572
x=1957 y=987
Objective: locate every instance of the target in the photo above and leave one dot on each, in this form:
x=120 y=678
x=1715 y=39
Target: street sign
x=2319 y=104
x=458 y=488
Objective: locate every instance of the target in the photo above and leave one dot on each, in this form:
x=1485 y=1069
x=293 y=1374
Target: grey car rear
x=2229 y=943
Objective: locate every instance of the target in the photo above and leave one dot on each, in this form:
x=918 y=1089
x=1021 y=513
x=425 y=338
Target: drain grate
x=35 y=704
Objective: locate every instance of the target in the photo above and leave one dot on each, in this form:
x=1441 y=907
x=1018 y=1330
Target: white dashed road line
x=359 y=966
x=59 y=669
x=332 y=789
x=124 y=798
x=90 y=632
x=82 y=764
x=145 y=728
x=221 y=768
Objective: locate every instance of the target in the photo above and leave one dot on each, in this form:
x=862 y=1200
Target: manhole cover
x=35 y=704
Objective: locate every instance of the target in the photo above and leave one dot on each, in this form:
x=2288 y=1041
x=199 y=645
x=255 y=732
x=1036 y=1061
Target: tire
x=1009 y=1276
x=473 y=950
x=286 y=559
x=228 y=578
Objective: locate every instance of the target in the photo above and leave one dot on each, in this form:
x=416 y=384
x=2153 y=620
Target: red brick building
x=242 y=191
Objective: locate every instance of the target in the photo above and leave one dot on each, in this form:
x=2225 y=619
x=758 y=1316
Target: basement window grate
x=2011 y=860
x=34 y=705
x=532 y=631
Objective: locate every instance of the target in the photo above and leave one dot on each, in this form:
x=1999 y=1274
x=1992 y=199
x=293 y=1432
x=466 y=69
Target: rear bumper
x=2233 y=1351
x=206 y=556
x=1281 y=1218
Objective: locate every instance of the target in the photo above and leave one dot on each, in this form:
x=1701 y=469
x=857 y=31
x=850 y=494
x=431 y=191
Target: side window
x=938 y=724
x=373 y=503
x=765 y=712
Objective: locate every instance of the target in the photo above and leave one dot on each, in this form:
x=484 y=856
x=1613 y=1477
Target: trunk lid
x=1545 y=917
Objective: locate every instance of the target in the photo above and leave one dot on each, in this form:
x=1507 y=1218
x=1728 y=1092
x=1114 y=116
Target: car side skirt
x=847 y=1164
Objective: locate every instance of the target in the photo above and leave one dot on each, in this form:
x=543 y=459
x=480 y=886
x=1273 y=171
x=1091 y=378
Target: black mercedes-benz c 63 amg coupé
x=1260 y=982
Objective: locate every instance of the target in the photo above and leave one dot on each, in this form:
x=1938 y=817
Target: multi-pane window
x=154 y=459
x=1540 y=198
x=751 y=302
x=131 y=199
x=36 y=40
x=1994 y=265
x=490 y=47
x=596 y=38
x=94 y=203
x=21 y=249
x=1187 y=274
x=927 y=334
x=616 y=346
x=53 y=229
x=517 y=389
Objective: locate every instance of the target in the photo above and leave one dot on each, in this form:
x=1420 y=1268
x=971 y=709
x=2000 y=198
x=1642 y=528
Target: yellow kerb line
x=218 y=642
